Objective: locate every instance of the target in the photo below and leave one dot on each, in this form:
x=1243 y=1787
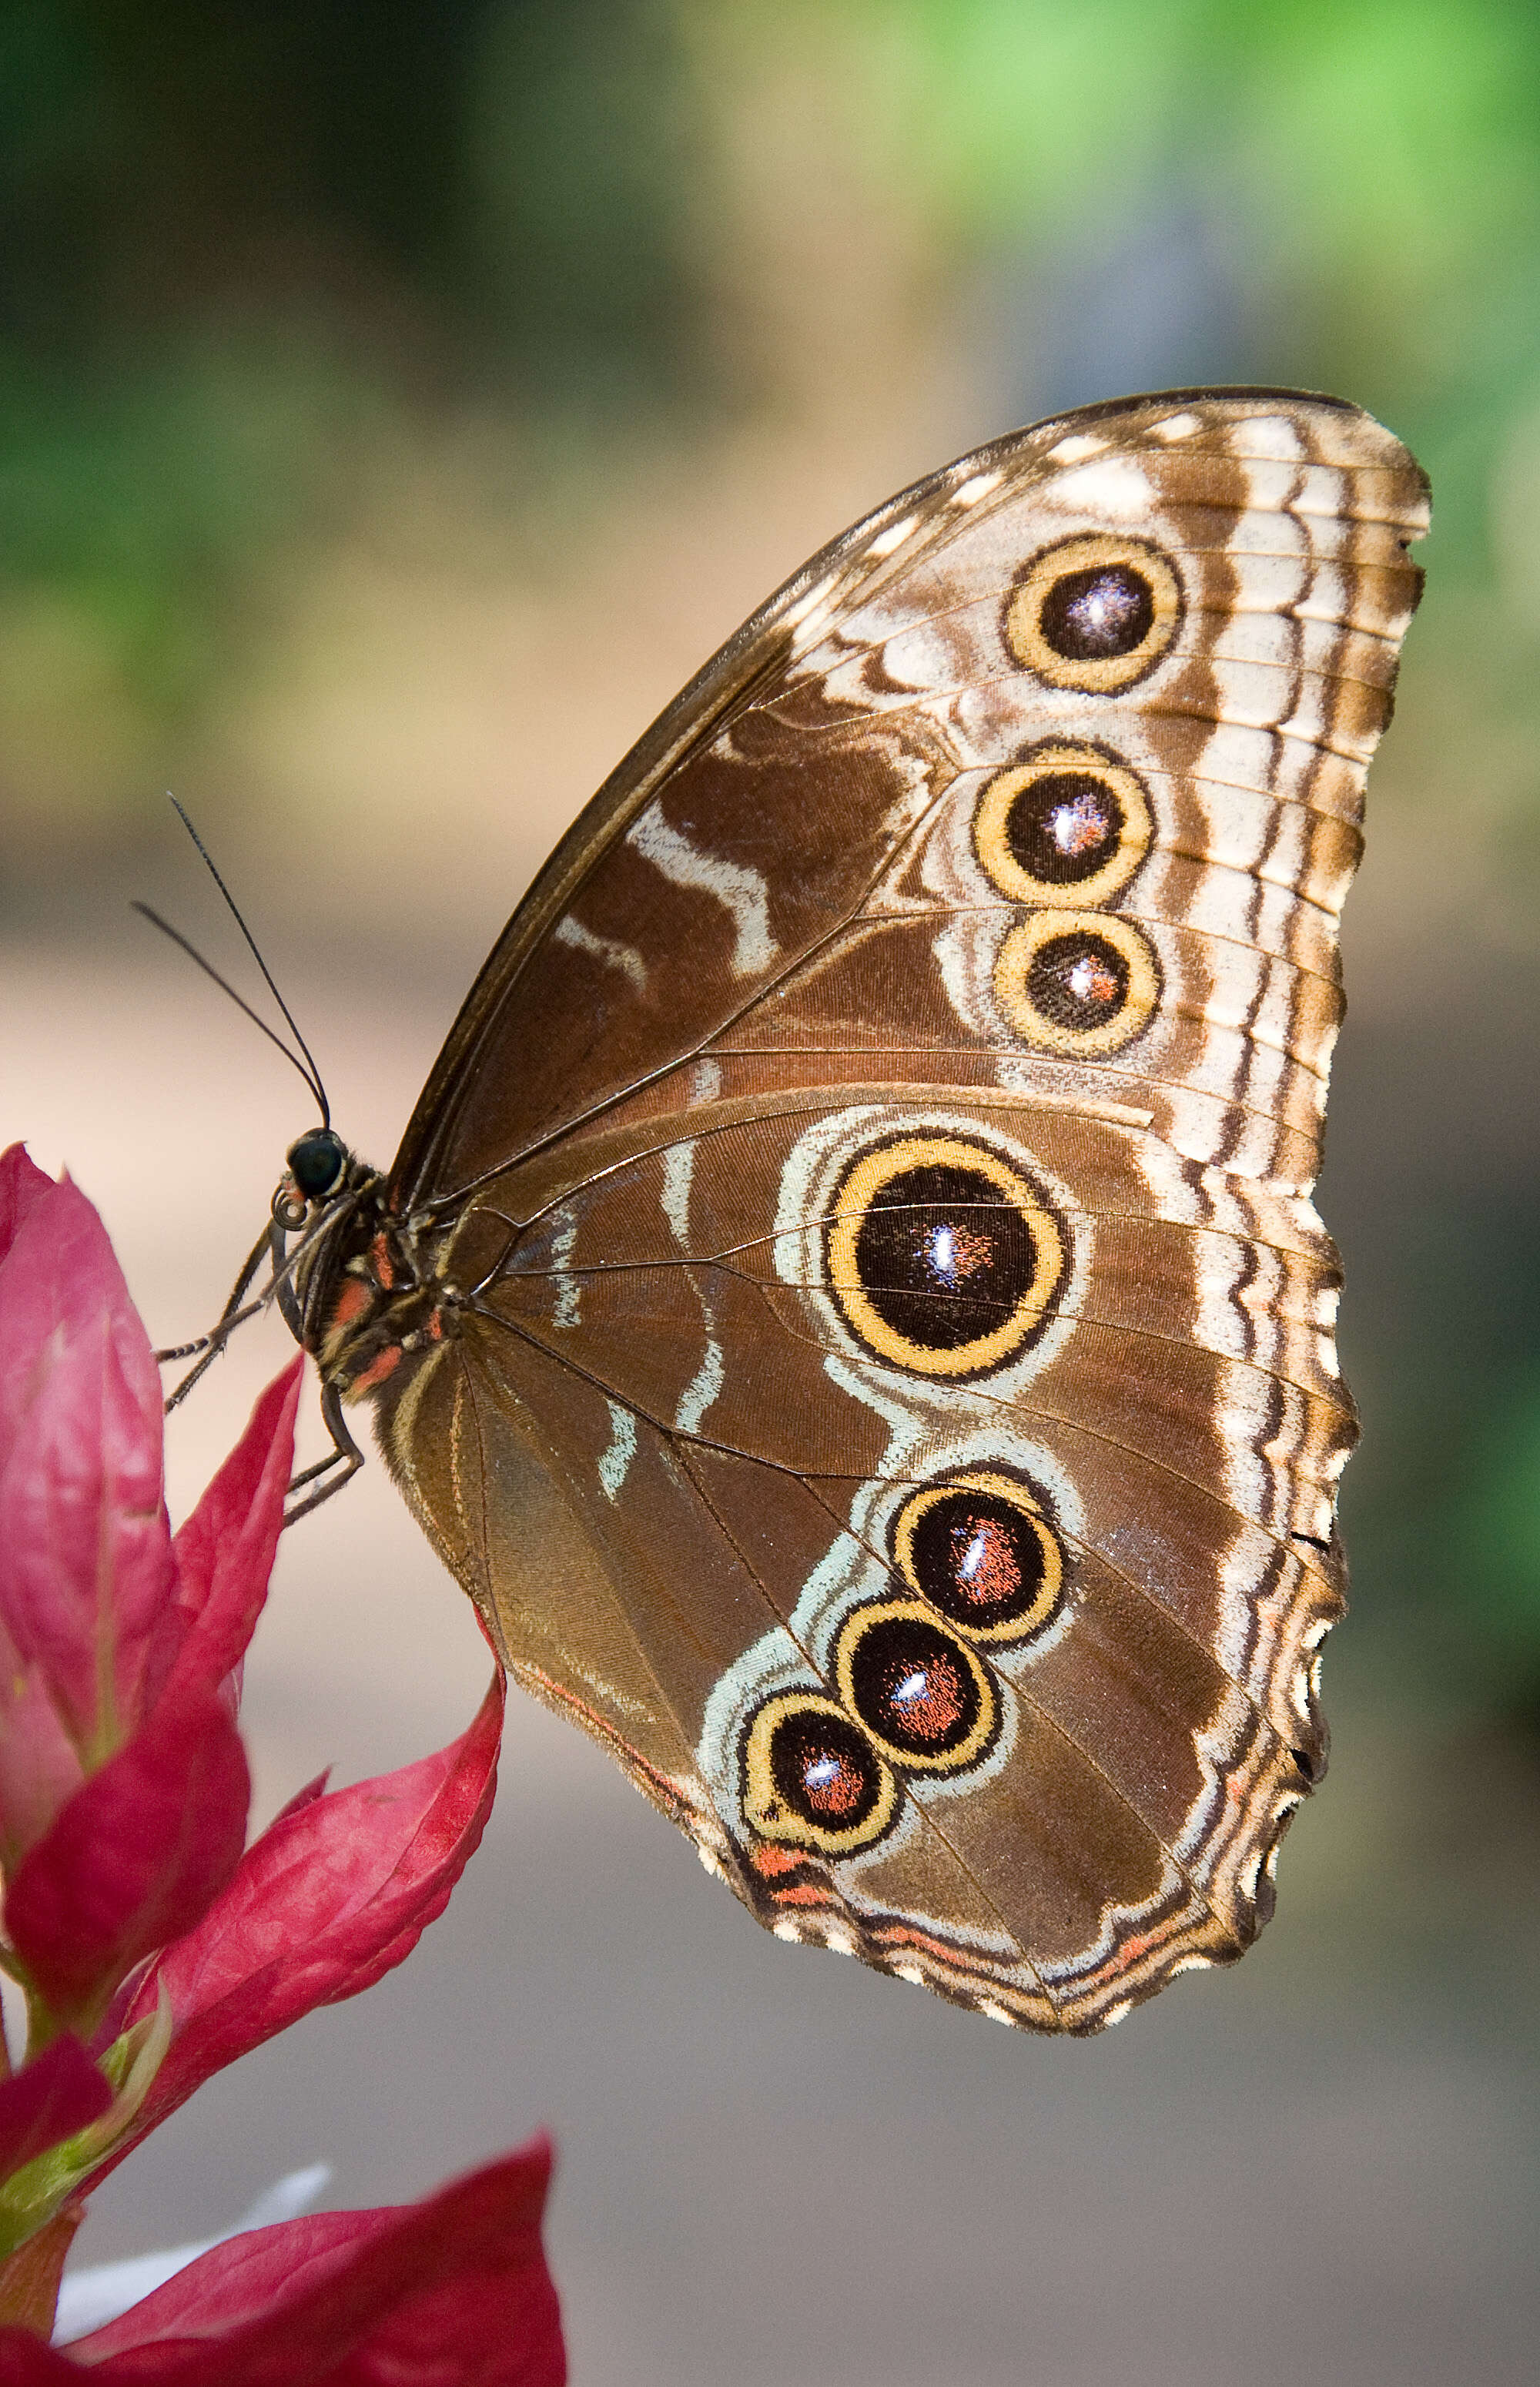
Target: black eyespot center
x=825 y=1769
x=982 y=1549
x=943 y=1256
x=1078 y=981
x=1095 y=614
x=1064 y=827
x=914 y=1688
x=978 y=1558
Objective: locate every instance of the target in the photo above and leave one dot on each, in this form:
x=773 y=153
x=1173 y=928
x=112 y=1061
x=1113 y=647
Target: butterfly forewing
x=891 y=1398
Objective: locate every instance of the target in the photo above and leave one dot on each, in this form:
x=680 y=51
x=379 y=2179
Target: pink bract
x=450 y=2292
x=152 y=1950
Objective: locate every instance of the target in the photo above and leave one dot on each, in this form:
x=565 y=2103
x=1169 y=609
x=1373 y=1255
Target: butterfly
x=848 y=1305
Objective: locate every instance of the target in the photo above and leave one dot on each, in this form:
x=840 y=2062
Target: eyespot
x=944 y=1259
x=930 y=1704
x=813 y=1779
x=1068 y=816
x=979 y=1550
x=1080 y=983
x=1094 y=614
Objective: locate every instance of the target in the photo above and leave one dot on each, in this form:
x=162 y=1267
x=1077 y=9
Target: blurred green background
x=397 y=402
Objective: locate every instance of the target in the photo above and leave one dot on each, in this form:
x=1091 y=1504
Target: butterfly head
x=318 y=1163
x=327 y=1197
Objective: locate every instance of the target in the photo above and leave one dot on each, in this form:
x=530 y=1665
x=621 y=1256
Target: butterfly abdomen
x=377 y=1309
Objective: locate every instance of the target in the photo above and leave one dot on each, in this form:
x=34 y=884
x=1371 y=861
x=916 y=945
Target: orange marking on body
x=350 y=1302
x=435 y=1328
x=379 y=1252
x=378 y=1369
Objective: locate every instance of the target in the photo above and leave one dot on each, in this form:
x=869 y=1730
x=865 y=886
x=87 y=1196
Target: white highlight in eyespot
x=610 y=950
x=742 y=892
x=979 y=484
x=617 y=1458
x=894 y=536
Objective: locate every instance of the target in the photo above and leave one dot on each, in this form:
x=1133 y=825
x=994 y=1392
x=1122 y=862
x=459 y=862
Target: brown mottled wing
x=900 y=1414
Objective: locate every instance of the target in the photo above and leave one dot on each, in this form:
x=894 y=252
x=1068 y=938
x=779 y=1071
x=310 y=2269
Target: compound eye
x=317 y=1163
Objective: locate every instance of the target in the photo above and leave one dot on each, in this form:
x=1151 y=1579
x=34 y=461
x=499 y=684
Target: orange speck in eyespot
x=985 y=1567
x=378 y=1369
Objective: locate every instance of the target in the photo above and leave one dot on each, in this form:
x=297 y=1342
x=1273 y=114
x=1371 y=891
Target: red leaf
x=135 y=1857
x=225 y=1550
x=49 y=2099
x=450 y=2292
x=333 y=1894
x=88 y=1567
x=22 y=1183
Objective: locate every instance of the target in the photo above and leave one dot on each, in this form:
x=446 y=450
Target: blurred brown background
x=396 y=404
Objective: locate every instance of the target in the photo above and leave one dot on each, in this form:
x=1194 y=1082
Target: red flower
x=152 y=1950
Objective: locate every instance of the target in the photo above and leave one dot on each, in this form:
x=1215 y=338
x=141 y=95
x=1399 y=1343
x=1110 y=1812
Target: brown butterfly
x=848 y=1305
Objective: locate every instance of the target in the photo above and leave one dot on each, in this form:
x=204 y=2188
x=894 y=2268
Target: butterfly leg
x=211 y=1345
x=344 y=1455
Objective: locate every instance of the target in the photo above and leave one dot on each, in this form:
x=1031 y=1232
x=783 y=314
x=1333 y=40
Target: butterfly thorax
x=361 y=1293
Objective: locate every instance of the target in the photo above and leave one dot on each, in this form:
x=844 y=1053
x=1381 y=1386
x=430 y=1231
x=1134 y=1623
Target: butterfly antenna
x=308 y=1069
x=238 y=999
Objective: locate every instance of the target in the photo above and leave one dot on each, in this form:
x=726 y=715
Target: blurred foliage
x=249 y=255
x=224 y=230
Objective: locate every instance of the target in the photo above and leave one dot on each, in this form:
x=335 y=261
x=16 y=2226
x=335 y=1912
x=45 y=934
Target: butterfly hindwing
x=897 y=1408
